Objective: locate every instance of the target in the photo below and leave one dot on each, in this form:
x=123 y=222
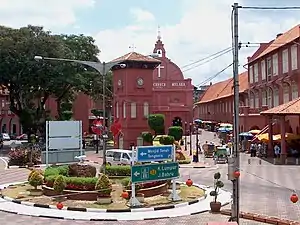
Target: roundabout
x=95 y=214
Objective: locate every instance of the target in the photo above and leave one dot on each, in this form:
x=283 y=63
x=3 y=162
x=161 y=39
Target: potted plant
x=59 y=186
x=104 y=188
x=35 y=179
x=215 y=206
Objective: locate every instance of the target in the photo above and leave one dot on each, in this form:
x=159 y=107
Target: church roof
x=289 y=108
x=283 y=39
x=224 y=89
x=134 y=56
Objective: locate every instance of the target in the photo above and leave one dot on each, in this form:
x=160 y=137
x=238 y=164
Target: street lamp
x=185 y=134
x=197 y=144
x=191 y=139
x=102 y=69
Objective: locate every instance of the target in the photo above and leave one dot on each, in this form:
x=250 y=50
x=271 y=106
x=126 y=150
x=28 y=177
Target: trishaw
x=209 y=150
x=221 y=155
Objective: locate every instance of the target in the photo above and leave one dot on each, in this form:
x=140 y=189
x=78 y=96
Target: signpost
x=154 y=171
x=154 y=153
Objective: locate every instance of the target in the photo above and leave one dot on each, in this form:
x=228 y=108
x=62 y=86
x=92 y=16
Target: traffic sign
x=152 y=172
x=154 y=153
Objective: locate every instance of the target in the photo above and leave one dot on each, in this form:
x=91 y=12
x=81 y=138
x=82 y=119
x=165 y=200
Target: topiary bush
x=118 y=171
x=175 y=132
x=104 y=186
x=57 y=170
x=166 y=140
x=147 y=137
x=35 y=179
x=41 y=172
x=59 y=184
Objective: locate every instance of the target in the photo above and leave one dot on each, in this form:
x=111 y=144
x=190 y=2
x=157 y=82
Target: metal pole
x=190 y=138
x=185 y=145
x=235 y=206
x=197 y=144
x=104 y=117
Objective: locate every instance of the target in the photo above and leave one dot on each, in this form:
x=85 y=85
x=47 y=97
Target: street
x=264 y=189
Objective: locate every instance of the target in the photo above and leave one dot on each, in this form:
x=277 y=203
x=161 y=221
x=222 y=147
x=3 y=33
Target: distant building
x=199 y=91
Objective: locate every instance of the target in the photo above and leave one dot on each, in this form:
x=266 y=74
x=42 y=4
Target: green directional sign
x=152 y=172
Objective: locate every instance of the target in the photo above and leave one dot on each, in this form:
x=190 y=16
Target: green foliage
x=35 y=179
x=126 y=182
x=118 y=170
x=31 y=83
x=217 y=185
x=166 y=140
x=59 y=184
x=147 y=137
x=97 y=112
x=104 y=185
x=156 y=123
x=75 y=183
x=176 y=132
x=57 y=170
x=35 y=171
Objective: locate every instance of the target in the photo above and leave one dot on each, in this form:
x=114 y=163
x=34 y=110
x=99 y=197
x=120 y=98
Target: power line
x=211 y=59
x=214 y=76
x=270 y=8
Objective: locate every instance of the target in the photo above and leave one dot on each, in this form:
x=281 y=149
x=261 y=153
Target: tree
x=29 y=83
x=176 y=132
x=156 y=122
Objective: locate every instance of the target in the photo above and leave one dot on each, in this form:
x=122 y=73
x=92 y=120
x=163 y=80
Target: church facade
x=145 y=85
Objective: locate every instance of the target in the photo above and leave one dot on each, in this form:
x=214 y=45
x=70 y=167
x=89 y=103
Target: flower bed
x=22 y=156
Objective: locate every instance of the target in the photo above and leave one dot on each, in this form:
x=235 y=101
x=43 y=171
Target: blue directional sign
x=154 y=153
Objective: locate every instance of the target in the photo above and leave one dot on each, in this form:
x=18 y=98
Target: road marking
x=5 y=162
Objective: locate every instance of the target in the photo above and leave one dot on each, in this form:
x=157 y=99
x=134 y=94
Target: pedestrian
x=252 y=150
x=277 y=151
x=195 y=156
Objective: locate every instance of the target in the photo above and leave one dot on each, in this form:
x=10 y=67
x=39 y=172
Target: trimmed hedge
x=118 y=171
x=57 y=170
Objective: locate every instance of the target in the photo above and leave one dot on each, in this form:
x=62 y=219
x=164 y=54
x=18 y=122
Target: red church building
x=147 y=85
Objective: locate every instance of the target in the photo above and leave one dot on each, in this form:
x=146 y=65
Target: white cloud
x=54 y=13
x=203 y=30
x=141 y=15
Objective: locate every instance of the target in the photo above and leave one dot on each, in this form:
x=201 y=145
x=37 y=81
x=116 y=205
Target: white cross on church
x=158 y=70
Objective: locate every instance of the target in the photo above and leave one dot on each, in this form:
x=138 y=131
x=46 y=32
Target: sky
x=190 y=29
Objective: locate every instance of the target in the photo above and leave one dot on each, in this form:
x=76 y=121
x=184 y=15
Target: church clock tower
x=133 y=96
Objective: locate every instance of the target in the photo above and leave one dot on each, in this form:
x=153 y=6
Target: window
x=264 y=99
x=124 y=110
x=294 y=57
x=263 y=69
x=275 y=97
x=133 y=110
x=251 y=100
x=250 y=73
x=256 y=100
x=285 y=61
x=269 y=67
x=294 y=90
x=14 y=128
x=286 y=93
x=146 y=109
x=256 y=72
x=275 y=64
x=270 y=99
x=117 y=109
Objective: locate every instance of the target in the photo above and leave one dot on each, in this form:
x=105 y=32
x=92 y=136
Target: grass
x=22 y=192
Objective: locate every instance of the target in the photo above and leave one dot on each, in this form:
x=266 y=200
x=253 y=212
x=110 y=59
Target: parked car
x=22 y=137
x=1 y=143
x=118 y=157
x=5 y=136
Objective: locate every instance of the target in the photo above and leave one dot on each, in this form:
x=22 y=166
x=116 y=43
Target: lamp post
x=102 y=69
x=191 y=139
x=197 y=144
x=185 y=145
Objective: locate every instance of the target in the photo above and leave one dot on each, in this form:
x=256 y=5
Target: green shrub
x=118 y=170
x=59 y=184
x=41 y=172
x=186 y=161
x=103 y=185
x=147 y=137
x=176 y=132
x=57 y=170
x=166 y=140
x=35 y=179
x=125 y=182
x=156 y=123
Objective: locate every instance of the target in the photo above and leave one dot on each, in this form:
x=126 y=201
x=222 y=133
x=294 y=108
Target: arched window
x=124 y=110
x=256 y=99
x=264 y=98
x=286 y=93
x=146 y=109
x=117 y=110
x=275 y=96
x=133 y=110
x=251 y=100
x=270 y=99
x=294 y=90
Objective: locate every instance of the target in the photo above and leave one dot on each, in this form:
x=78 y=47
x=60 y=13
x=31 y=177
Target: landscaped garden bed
x=78 y=185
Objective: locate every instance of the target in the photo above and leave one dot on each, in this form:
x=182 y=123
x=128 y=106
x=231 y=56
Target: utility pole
x=236 y=158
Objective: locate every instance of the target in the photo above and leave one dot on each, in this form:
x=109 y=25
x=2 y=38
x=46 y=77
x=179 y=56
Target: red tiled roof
x=282 y=40
x=134 y=56
x=289 y=108
x=224 y=89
